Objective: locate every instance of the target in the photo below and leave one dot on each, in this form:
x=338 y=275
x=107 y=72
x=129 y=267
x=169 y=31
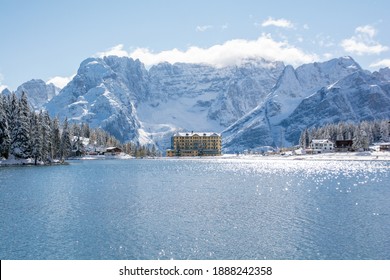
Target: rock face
x=256 y=103
x=269 y=123
x=121 y=96
x=104 y=93
x=38 y=92
x=359 y=96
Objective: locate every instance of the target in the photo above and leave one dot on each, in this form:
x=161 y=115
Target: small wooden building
x=113 y=150
x=343 y=146
x=384 y=147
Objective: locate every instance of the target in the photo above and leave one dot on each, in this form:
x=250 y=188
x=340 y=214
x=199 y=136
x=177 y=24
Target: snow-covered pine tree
x=66 y=144
x=20 y=135
x=384 y=131
x=85 y=131
x=13 y=111
x=340 y=131
x=304 y=140
x=44 y=120
x=4 y=130
x=36 y=139
x=360 y=139
x=55 y=139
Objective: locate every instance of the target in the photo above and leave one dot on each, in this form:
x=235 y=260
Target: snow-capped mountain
x=121 y=96
x=262 y=126
x=38 y=92
x=256 y=103
x=357 y=97
x=103 y=94
x=6 y=91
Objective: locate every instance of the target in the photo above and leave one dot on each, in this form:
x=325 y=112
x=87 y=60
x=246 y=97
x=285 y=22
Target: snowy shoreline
x=350 y=156
x=29 y=162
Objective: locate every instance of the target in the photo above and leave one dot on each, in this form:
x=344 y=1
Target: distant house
x=384 y=147
x=321 y=145
x=113 y=150
x=343 y=146
x=171 y=153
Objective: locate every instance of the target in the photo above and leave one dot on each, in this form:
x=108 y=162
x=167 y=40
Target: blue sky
x=49 y=39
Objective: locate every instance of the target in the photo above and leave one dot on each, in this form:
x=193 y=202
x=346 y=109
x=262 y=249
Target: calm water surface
x=196 y=209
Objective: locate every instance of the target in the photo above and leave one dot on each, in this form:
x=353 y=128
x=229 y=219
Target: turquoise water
x=196 y=209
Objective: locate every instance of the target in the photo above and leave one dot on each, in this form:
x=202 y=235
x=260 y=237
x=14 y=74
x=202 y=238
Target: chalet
x=343 y=146
x=384 y=147
x=321 y=145
x=113 y=150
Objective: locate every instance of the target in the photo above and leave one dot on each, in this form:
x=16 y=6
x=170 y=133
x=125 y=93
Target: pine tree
x=55 y=139
x=304 y=140
x=36 y=139
x=13 y=111
x=4 y=130
x=20 y=135
x=384 y=131
x=358 y=141
x=154 y=151
x=44 y=122
x=66 y=144
x=340 y=131
x=85 y=131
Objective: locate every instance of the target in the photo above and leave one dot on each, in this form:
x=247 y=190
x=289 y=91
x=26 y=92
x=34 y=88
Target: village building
x=113 y=150
x=321 y=146
x=191 y=144
x=343 y=146
x=384 y=147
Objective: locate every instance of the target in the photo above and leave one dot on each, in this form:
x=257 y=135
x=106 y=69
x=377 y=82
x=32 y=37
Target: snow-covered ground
x=29 y=161
x=95 y=157
x=350 y=156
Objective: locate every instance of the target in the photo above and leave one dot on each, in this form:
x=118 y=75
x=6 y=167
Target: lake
x=196 y=209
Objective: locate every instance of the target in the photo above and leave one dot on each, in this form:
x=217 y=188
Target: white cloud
x=116 y=50
x=363 y=42
x=306 y=26
x=60 y=82
x=360 y=48
x=203 y=28
x=367 y=29
x=229 y=53
x=381 y=64
x=277 y=22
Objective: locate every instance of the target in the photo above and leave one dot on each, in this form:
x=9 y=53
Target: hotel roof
x=197 y=133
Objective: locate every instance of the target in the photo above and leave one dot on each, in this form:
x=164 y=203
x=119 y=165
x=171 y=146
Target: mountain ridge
x=253 y=104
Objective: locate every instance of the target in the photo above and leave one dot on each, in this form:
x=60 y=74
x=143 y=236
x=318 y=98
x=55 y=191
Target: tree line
x=362 y=134
x=27 y=134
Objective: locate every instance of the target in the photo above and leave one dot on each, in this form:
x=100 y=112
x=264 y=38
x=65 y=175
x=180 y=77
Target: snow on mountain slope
x=385 y=73
x=357 y=97
x=198 y=96
x=252 y=103
x=292 y=87
x=104 y=93
x=38 y=92
x=251 y=81
x=122 y=97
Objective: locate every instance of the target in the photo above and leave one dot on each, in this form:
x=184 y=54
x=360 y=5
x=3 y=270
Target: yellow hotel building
x=192 y=144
